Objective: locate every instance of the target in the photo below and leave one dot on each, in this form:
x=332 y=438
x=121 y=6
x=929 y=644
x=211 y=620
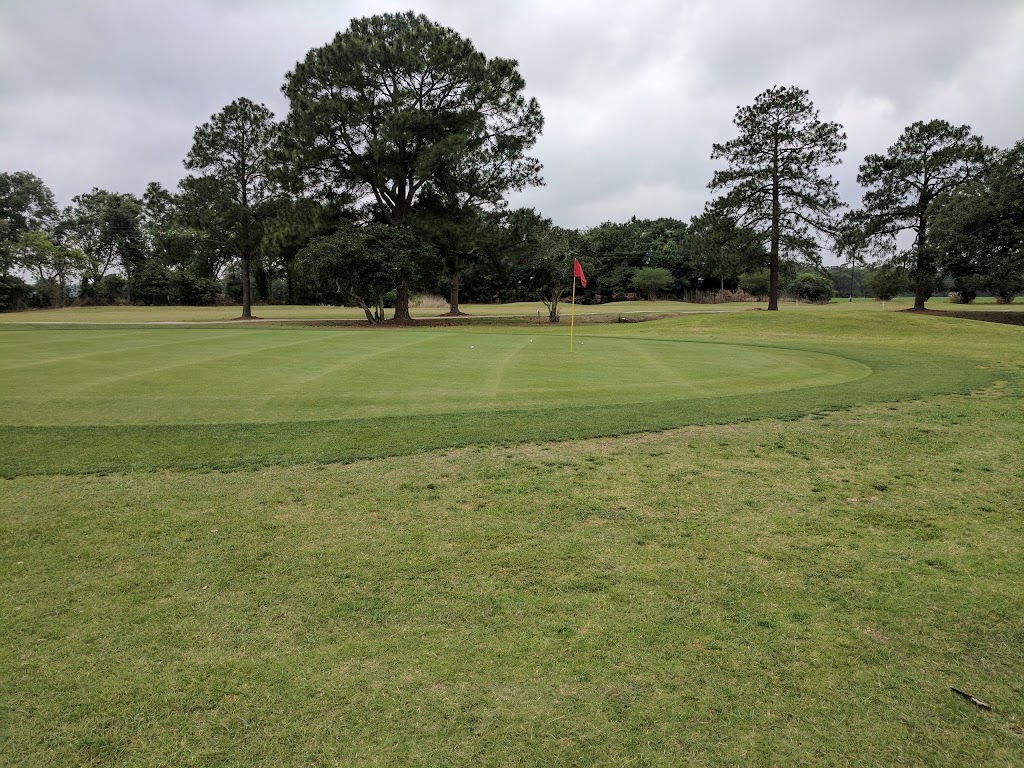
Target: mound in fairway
x=163 y=376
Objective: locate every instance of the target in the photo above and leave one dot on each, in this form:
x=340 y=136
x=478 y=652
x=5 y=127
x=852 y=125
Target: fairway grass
x=777 y=577
x=528 y=309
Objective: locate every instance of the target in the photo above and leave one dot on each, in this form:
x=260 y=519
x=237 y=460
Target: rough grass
x=123 y=315
x=424 y=307
x=778 y=591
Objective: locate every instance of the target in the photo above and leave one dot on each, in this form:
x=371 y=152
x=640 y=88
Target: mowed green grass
x=99 y=400
x=161 y=376
x=797 y=577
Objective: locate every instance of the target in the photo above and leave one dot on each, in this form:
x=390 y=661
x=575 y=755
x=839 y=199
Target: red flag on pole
x=577 y=271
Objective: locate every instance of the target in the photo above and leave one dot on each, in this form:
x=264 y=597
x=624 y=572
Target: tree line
x=390 y=174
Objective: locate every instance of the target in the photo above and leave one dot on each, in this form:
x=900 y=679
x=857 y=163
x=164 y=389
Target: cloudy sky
x=107 y=93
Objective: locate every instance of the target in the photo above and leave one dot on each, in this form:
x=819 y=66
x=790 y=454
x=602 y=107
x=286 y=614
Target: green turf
x=88 y=401
x=534 y=310
x=185 y=376
x=799 y=581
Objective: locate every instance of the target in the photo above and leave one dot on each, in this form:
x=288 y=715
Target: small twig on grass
x=976 y=702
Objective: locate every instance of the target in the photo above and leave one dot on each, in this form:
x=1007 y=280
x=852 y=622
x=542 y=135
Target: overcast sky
x=107 y=93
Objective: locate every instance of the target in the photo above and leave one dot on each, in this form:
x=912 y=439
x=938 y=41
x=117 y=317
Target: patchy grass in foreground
x=775 y=592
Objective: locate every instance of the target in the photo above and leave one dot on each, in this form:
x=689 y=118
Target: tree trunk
x=289 y=281
x=453 y=295
x=402 y=303
x=920 y=294
x=553 y=312
x=773 y=262
x=773 y=273
x=922 y=281
x=246 y=297
x=926 y=267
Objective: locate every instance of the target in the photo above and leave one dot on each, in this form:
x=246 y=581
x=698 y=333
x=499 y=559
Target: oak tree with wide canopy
x=26 y=205
x=397 y=103
x=107 y=227
x=979 y=226
x=773 y=181
x=360 y=264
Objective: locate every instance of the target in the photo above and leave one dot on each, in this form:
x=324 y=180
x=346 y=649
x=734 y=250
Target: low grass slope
x=99 y=401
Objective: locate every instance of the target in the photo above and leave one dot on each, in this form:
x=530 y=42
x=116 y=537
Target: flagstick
x=572 y=312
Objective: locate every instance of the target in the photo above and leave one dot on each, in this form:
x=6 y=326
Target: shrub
x=650 y=280
x=738 y=295
x=195 y=291
x=111 y=289
x=887 y=283
x=813 y=287
x=427 y=301
x=1005 y=288
x=15 y=293
x=233 y=284
x=756 y=283
x=153 y=284
x=965 y=289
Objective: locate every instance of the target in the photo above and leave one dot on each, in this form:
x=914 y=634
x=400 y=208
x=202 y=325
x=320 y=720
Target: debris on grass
x=976 y=702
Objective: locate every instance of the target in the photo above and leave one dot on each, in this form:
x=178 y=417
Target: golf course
x=718 y=537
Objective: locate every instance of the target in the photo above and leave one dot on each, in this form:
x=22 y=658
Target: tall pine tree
x=397 y=104
x=235 y=188
x=773 y=184
x=929 y=159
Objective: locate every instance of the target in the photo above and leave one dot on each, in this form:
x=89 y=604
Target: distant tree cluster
x=391 y=169
x=390 y=174
x=938 y=206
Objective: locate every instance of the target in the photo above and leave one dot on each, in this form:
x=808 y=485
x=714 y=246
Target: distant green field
x=726 y=538
x=534 y=310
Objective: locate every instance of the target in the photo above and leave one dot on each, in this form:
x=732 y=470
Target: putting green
x=179 y=376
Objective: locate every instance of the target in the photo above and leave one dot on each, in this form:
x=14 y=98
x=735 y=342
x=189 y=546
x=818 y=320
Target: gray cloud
x=108 y=93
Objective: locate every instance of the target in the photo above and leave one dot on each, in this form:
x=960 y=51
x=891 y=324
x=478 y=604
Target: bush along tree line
x=390 y=173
